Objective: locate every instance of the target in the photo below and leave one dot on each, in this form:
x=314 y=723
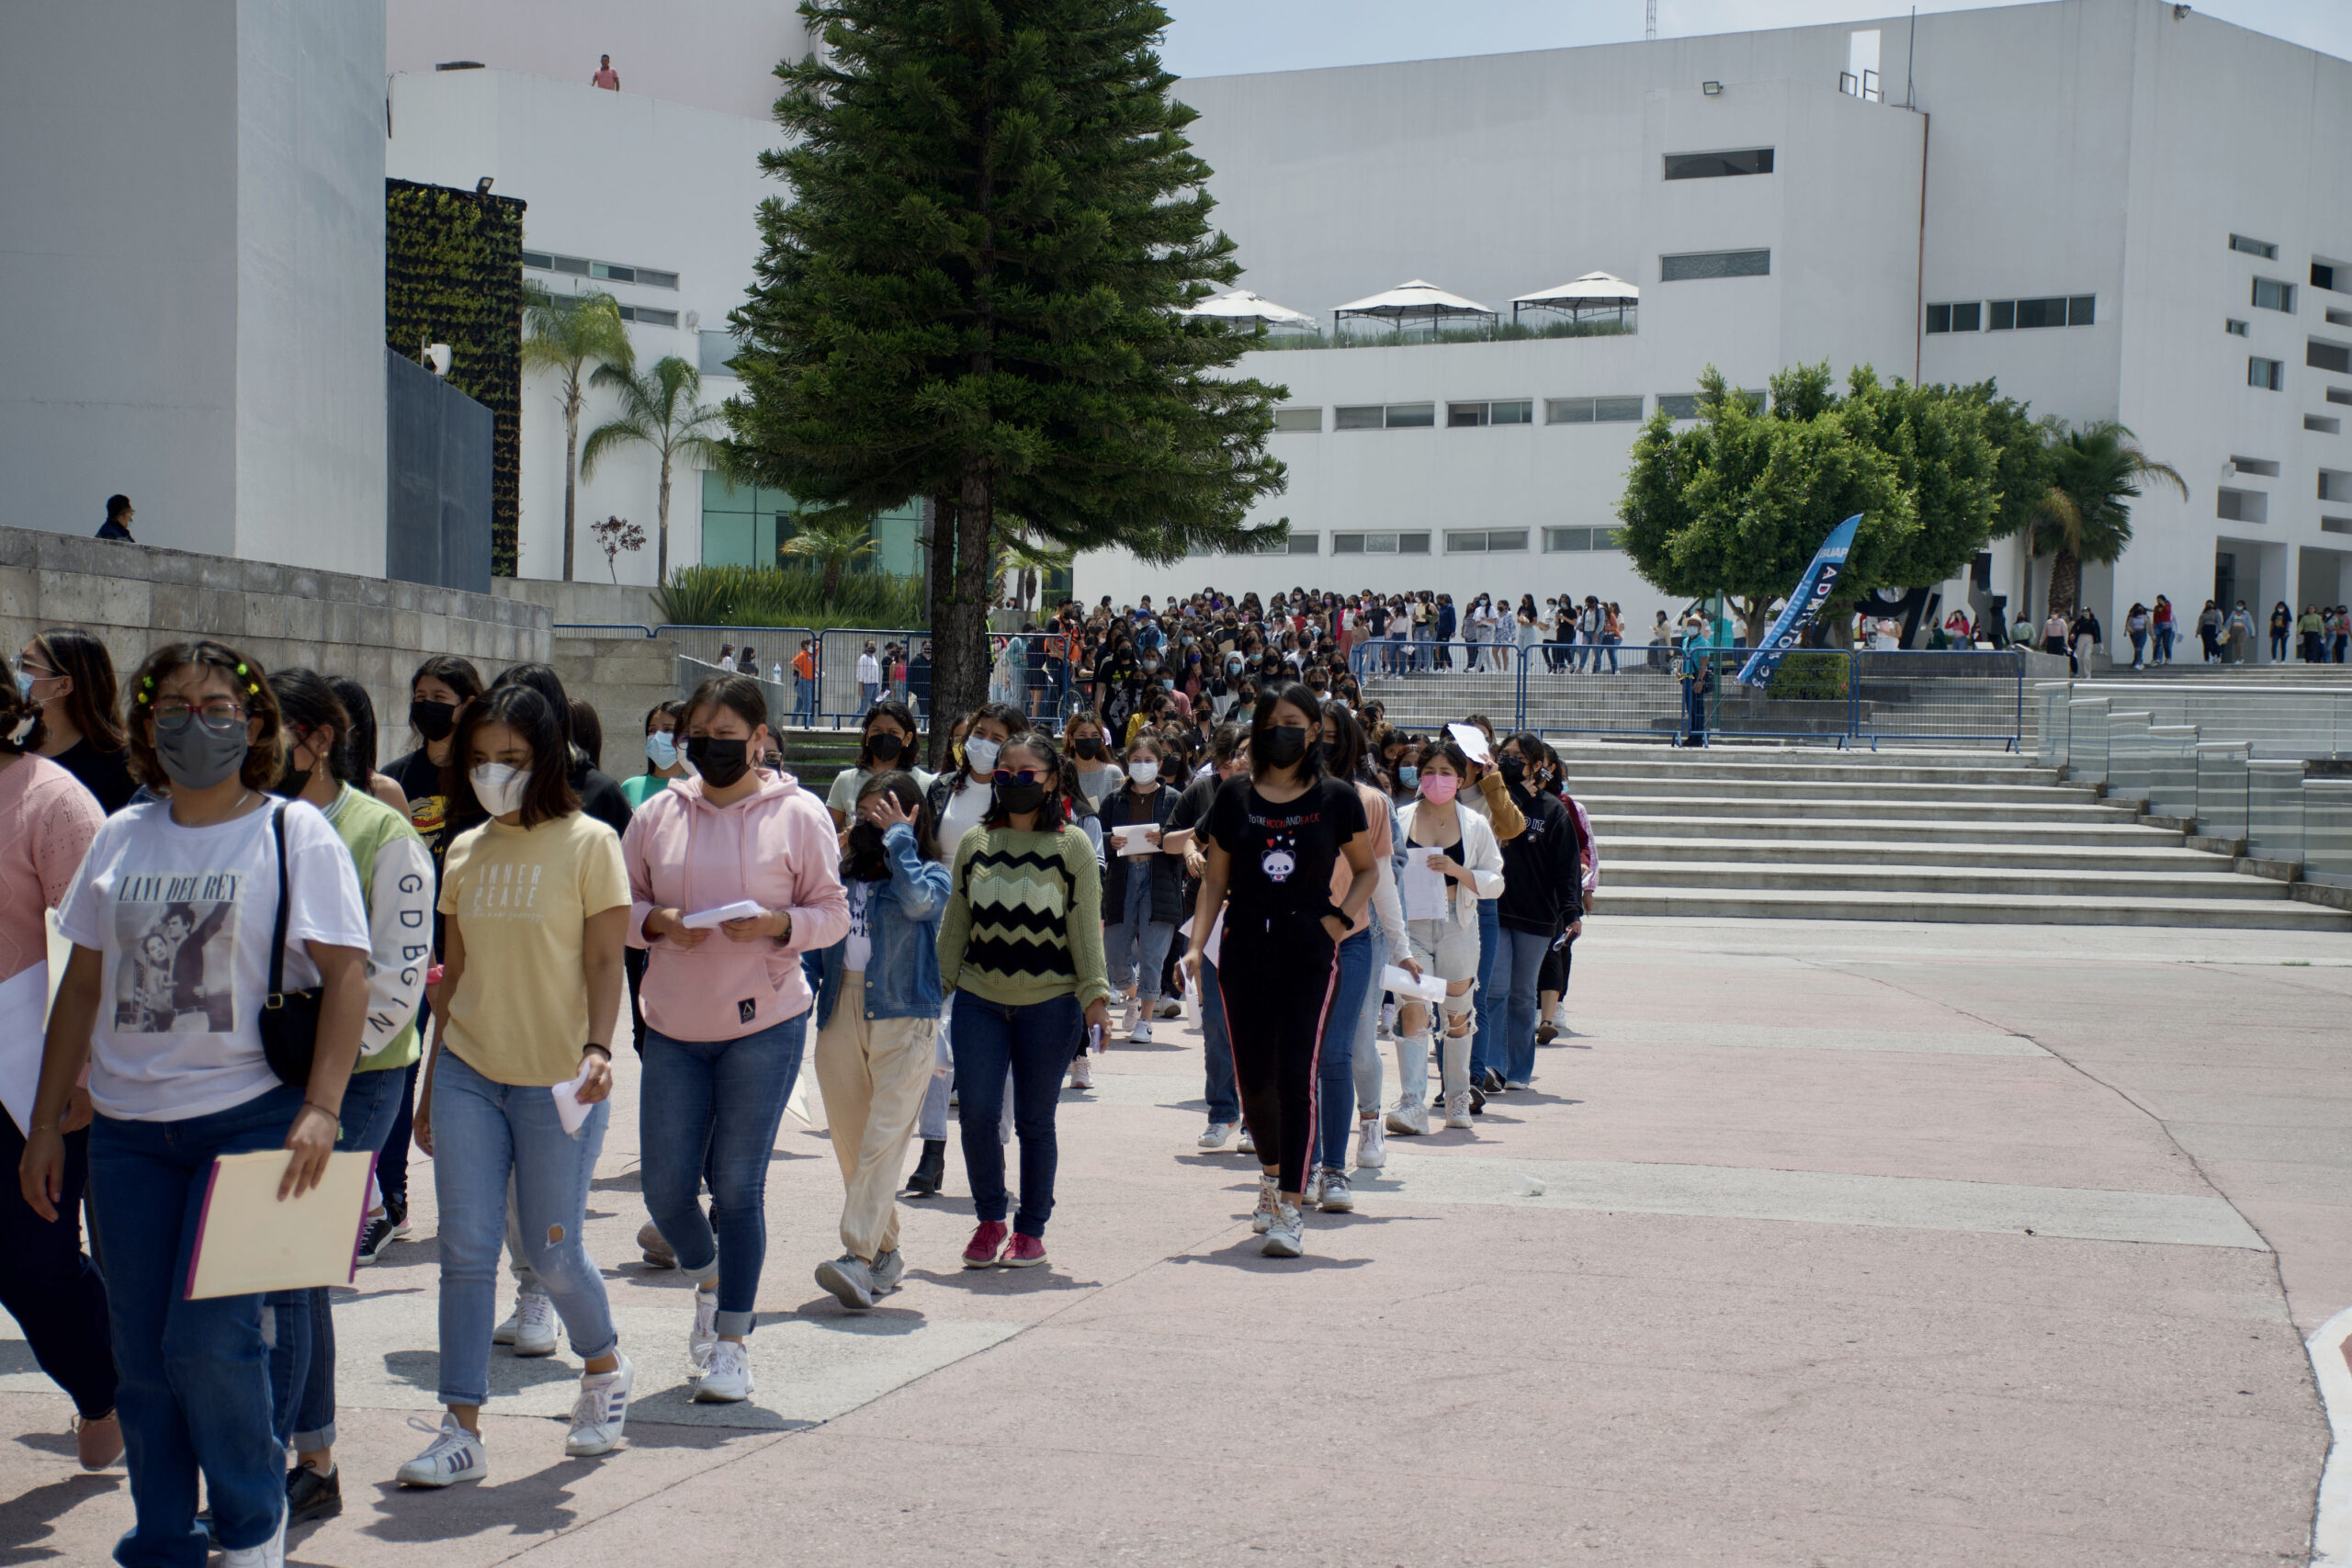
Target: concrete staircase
x=1977 y=836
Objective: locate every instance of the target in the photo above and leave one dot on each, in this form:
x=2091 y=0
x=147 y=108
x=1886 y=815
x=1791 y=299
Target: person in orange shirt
x=804 y=682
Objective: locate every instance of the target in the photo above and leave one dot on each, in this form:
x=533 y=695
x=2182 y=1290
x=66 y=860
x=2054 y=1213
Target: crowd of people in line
x=467 y=927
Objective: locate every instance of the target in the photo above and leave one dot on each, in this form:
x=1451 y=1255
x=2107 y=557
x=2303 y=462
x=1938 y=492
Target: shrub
x=789 y=596
x=1810 y=677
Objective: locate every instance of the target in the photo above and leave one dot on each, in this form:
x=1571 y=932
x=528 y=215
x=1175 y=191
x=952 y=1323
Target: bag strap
x=277 y=940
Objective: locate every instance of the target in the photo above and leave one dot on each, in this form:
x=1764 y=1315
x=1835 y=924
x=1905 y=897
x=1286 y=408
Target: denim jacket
x=902 y=922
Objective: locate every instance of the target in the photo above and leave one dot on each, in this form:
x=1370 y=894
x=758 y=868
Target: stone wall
x=583 y=602
x=134 y=597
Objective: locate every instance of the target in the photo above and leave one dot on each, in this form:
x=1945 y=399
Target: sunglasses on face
x=1007 y=776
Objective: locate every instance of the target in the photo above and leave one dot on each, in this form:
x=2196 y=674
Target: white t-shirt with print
x=184 y=917
x=859 y=950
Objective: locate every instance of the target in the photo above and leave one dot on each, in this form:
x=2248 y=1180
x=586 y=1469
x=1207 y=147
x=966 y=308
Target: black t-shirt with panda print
x=1283 y=854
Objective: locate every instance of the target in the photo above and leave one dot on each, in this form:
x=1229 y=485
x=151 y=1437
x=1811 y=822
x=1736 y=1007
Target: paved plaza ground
x=1818 y=1244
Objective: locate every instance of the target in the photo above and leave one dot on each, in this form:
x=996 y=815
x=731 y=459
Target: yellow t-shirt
x=518 y=898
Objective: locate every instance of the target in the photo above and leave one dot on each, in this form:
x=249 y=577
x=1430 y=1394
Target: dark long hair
x=889 y=709
x=1300 y=696
x=873 y=866
x=458 y=674
x=1053 y=816
x=93 y=705
x=306 y=701
x=523 y=710
x=266 y=755
x=1343 y=756
x=359 y=763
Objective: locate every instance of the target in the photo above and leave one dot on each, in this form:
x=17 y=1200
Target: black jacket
x=1118 y=809
x=1542 y=868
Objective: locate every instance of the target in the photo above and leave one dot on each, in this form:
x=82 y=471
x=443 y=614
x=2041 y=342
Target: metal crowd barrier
x=601 y=628
x=2072 y=717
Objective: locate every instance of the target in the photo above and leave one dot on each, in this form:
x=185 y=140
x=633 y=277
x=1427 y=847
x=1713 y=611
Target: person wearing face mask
x=530 y=991
x=174 y=918
x=1543 y=876
x=1142 y=892
x=600 y=796
x=886 y=743
x=726 y=1008
x=1021 y=957
x=664 y=758
x=878 y=1017
x=396 y=888
x=1228 y=756
x=1272 y=841
x=956 y=802
x=68 y=678
x=1442 y=922
x=869 y=676
x=1098 y=777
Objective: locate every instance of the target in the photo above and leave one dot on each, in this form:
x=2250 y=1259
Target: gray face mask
x=197 y=757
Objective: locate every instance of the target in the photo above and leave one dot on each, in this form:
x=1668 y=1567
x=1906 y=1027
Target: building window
x=1485 y=541
x=1556 y=540
x=1961 y=316
x=1298 y=420
x=2335 y=525
x=611 y=272
x=2322 y=354
x=2337 y=317
x=1386 y=416
x=2262 y=248
x=1714 y=263
x=718 y=353
x=1716 y=165
x=1678 y=405
x=2269 y=294
x=2053 y=310
x=2241 y=507
x=1400 y=544
x=1518 y=410
x=2236 y=328
x=1593 y=410
x=2323 y=276
x=1296 y=545
x=646 y=316
x=2268 y=374
x=2265 y=467
x=2324 y=424
x=2335 y=485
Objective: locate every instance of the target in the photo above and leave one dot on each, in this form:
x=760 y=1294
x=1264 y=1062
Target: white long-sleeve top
x=1478 y=853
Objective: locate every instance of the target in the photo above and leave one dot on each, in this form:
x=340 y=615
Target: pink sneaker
x=1026 y=1252
x=981 y=1250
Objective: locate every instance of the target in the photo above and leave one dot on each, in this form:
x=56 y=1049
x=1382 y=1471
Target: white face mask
x=980 y=755
x=1143 y=772
x=500 y=788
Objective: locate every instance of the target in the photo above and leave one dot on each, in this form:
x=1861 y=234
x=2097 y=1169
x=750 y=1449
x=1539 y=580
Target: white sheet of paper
x=703 y=920
x=1473 y=741
x=798 y=1101
x=248 y=1241
x=1428 y=989
x=1421 y=889
x=1133 y=841
x=568 y=1109
x=24 y=1009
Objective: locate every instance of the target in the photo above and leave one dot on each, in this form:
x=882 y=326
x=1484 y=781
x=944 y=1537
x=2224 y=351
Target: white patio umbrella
x=1415 y=302
x=1241 y=305
x=1593 y=291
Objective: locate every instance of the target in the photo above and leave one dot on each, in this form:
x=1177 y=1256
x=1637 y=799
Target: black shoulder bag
x=290 y=1020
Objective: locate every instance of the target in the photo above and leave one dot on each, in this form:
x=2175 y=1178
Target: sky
x=1215 y=37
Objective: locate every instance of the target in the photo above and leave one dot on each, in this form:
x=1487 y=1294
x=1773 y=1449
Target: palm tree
x=567 y=333
x=658 y=408
x=2095 y=470
x=1030 y=561
x=833 y=537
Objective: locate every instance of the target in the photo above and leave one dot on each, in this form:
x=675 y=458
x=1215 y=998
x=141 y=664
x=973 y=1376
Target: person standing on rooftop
x=118 y=523
x=606 y=76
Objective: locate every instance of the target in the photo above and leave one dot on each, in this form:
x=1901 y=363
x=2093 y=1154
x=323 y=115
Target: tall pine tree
x=968 y=296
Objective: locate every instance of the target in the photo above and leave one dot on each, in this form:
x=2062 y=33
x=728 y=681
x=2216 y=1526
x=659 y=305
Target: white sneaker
x=1388 y=1020
x=1410 y=1118
x=1457 y=1112
x=1215 y=1134
x=454 y=1455
x=270 y=1553
x=1286 y=1237
x=728 y=1378
x=1248 y=1145
x=1269 y=1201
x=1130 y=1017
x=530 y=1328
x=1332 y=1194
x=602 y=1410
x=1081 y=1070
x=849 y=1281
x=1141 y=1033
x=886 y=1269
x=1372 y=1145
x=705 y=1333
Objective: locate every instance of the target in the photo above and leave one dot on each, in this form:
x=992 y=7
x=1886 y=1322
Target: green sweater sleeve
x=956 y=924
x=1085 y=918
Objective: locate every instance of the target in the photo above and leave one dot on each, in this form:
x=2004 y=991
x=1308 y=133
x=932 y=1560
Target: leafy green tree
x=1029 y=562
x=2095 y=470
x=658 y=410
x=571 y=334
x=970 y=296
x=833 y=539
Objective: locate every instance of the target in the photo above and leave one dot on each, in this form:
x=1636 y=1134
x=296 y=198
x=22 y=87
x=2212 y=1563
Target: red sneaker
x=981 y=1250
x=1026 y=1252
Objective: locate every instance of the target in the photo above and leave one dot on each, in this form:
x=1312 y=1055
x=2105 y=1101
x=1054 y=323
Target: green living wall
x=453 y=274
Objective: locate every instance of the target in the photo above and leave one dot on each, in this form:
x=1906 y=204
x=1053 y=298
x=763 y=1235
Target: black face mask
x=432 y=720
x=291 y=783
x=1089 y=747
x=720 y=762
x=1514 y=769
x=1282 y=746
x=1020 y=798
x=885 y=748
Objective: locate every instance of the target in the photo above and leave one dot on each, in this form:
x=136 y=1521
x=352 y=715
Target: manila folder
x=248 y=1241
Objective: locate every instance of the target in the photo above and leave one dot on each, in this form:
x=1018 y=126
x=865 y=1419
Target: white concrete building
x=192 y=200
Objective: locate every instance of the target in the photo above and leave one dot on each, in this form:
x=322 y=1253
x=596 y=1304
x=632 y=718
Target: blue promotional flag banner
x=1811 y=593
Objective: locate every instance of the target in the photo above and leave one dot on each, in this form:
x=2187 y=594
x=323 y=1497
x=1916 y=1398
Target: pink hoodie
x=775 y=847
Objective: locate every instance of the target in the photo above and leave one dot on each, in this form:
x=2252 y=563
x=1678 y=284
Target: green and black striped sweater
x=1024 y=918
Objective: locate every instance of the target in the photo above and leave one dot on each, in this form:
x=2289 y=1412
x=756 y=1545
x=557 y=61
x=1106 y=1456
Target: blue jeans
x=1222 y=1093
x=804 y=699
x=1335 y=1074
x=1134 y=946
x=193 y=1376
x=483 y=1133
x=302 y=1360
x=1037 y=1042
x=1486 y=1043
x=715 y=1106
x=1518 y=965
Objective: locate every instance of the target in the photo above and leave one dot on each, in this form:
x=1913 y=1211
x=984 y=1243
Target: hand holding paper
x=704 y=919
x=1473 y=741
x=1136 y=838
x=249 y=1240
x=1420 y=987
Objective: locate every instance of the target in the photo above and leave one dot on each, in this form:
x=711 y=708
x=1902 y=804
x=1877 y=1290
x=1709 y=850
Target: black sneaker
x=310 y=1497
x=1492 y=1083
x=398 y=1208
x=373 y=1240
x=1477 y=1100
x=932 y=1169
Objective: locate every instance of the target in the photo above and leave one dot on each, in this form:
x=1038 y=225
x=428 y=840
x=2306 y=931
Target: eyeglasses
x=220 y=715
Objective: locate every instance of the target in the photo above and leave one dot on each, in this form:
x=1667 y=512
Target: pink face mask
x=1440 y=788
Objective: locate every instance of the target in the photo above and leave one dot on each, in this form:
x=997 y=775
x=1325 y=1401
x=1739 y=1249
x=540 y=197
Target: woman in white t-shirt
x=172 y=916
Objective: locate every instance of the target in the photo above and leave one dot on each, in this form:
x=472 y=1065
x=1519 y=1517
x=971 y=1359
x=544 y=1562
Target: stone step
x=1587 y=767
x=1985 y=907
x=1959 y=796
x=1862 y=804
x=1625 y=876
x=1609 y=826
x=1907 y=852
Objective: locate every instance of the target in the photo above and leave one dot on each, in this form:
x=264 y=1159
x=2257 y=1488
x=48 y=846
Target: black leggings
x=54 y=1292
x=1275 y=975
